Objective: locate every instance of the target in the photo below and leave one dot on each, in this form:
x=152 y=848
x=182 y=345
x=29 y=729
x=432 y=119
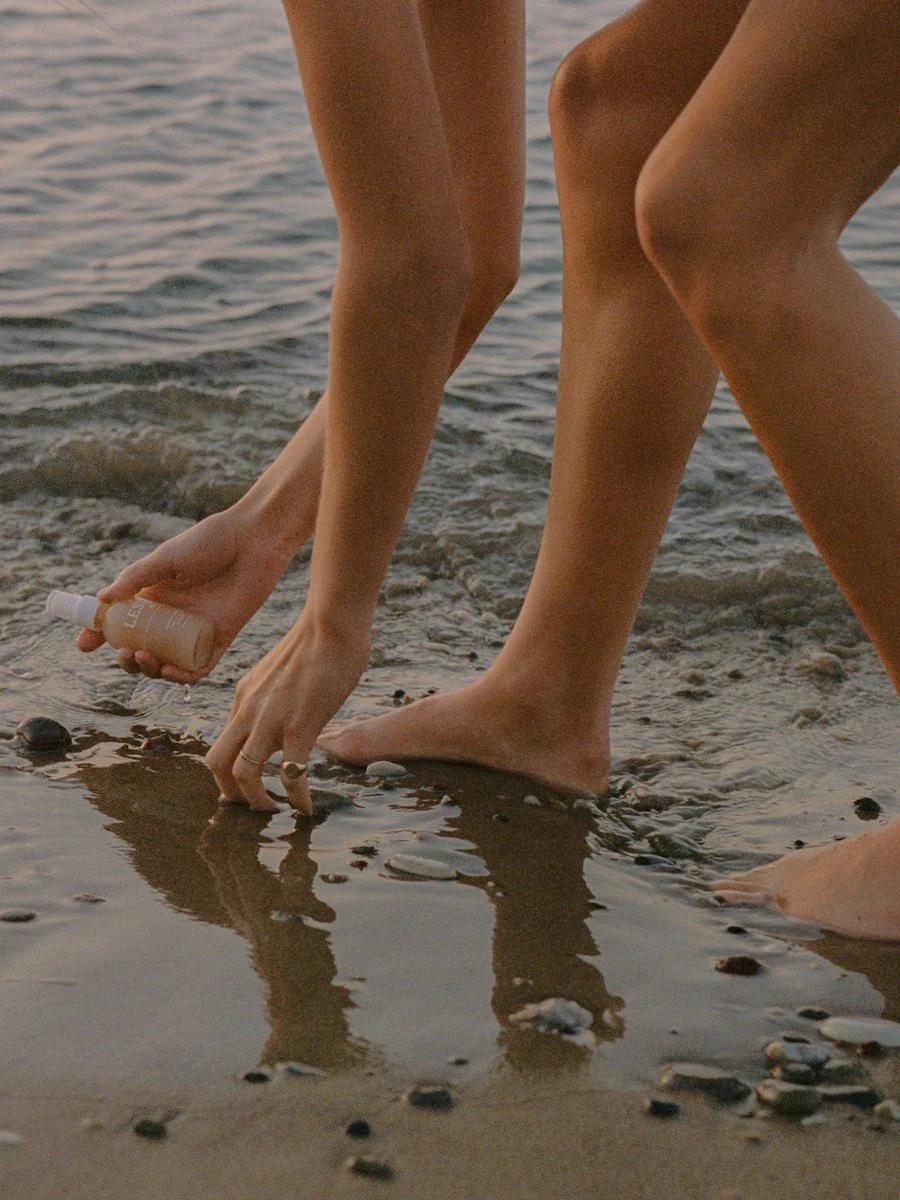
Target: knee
x=495 y=272
x=433 y=269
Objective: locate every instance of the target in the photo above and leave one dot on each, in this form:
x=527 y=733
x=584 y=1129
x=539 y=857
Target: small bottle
x=179 y=638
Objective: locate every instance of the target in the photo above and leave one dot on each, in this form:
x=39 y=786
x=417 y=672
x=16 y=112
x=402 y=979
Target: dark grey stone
x=43 y=734
x=700 y=1078
x=432 y=1096
x=659 y=1106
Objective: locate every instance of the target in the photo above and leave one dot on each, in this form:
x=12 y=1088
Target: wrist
x=277 y=520
x=336 y=631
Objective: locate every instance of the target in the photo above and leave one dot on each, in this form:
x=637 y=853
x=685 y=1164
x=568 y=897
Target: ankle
x=537 y=699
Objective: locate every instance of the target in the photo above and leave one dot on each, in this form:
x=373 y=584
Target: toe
x=747 y=899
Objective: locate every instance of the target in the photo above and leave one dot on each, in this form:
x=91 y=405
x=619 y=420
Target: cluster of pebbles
x=805 y=1074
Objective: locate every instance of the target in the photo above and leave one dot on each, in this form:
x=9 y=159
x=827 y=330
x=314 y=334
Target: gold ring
x=293 y=770
x=256 y=762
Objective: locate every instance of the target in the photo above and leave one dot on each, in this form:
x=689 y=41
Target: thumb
x=153 y=568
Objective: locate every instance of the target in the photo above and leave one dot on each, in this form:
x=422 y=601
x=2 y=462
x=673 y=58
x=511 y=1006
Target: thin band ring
x=256 y=762
x=293 y=770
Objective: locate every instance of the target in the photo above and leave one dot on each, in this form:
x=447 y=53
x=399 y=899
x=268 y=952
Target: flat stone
x=43 y=734
x=670 y=846
x=698 y=1077
x=739 y=964
x=371 y=1168
x=810 y=1013
x=420 y=867
x=432 y=1096
x=386 y=770
x=149 y=1128
x=737 y=930
x=358 y=1129
x=794 y=1072
x=789 y=1099
x=556 y=1015
x=659 y=1106
x=326 y=801
x=333 y=877
x=843 y=1070
x=852 y=1031
x=888 y=1110
x=857 y=1094
x=365 y=851
x=88 y=898
x=17 y=916
x=811 y=1054
x=298 y=1070
x=257 y=1075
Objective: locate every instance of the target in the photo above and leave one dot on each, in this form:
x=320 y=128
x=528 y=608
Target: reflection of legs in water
x=306 y=1008
x=541 y=909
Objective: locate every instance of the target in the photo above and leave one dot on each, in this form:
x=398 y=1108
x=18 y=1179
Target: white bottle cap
x=70 y=606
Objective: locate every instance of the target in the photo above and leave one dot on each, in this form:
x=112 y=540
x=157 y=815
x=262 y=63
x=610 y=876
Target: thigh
x=477 y=53
x=798 y=122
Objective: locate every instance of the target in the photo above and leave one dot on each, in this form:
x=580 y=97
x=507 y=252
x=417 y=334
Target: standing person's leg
x=741 y=207
x=635 y=384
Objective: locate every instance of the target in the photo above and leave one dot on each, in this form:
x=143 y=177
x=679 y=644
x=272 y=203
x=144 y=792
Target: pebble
x=333 y=877
x=810 y=1013
x=739 y=964
x=555 y=1015
x=257 y=1075
x=365 y=851
x=422 y=868
x=91 y=1123
x=358 y=1129
x=534 y=801
x=793 y=1072
x=9 y=1138
x=842 y=1070
x=148 y=1128
x=738 y=930
x=866 y=808
x=88 y=898
x=811 y=1054
x=17 y=916
x=860 y=1095
x=386 y=770
x=432 y=1096
x=789 y=1099
x=658 y=1106
x=458 y=1060
x=825 y=664
x=298 y=1069
x=870 y=1049
x=701 y=1078
x=816 y=1118
x=656 y=862
x=888 y=1110
x=372 y=1168
x=853 y=1031
x=44 y=734
x=670 y=846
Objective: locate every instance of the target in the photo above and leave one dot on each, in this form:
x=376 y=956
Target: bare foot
x=850 y=887
x=481 y=724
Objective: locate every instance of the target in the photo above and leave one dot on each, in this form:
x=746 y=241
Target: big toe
x=345 y=740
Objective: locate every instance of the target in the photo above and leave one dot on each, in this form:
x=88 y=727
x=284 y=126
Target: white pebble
x=423 y=868
x=855 y=1030
x=386 y=770
x=533 y=800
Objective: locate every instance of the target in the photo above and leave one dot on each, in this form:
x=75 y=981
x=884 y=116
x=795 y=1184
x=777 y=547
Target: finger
x=148 y=663
x=297 y=749
x=177 y=675
x=220 y=758
x=249 y=774
x=88 y=640
x=146 y=571
x=127 y=663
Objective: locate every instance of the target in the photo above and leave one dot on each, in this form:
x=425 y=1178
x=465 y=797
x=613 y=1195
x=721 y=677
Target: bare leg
x=635 y=384
x=740 y=208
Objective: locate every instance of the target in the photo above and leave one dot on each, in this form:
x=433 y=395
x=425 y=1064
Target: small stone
x=44 y=735
x=365 y=850
x=9 y=1138
x=334 y=877
x=842 y=1070
x=88 y=898
x=737 y=930
x=854 y=1031
x=91 y=1123
x=827 y=665
x=888 y=1110
x=866 y=808
x=359 y=863
x=432 y=1096
x=386 y=770
x=556 y=1015
x=811 y=1054
x=816 y=1118
x=658 y=1106
x=17 y=916
x=701 y=1078
x=810 y=1013
x=421 y=868
x=670 y=846
x=798 y=843
x=789 y=1099
x=534 y=801
x=458 y=1061
x=870 y=1049
x=257 y=1075
x=794 y=1072
x=502 y=818
x=298 y=1069
x=739 y=964
x=358 y=1129
x=149 y=1128
x=399 y=693
x=859 y=1095
x=656 y=862
x=372 y=1168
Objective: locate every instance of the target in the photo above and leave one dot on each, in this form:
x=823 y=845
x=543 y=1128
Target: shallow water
x=166 y=267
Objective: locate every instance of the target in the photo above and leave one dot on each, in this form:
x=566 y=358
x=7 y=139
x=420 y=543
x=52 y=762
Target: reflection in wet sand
x=879 y=963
